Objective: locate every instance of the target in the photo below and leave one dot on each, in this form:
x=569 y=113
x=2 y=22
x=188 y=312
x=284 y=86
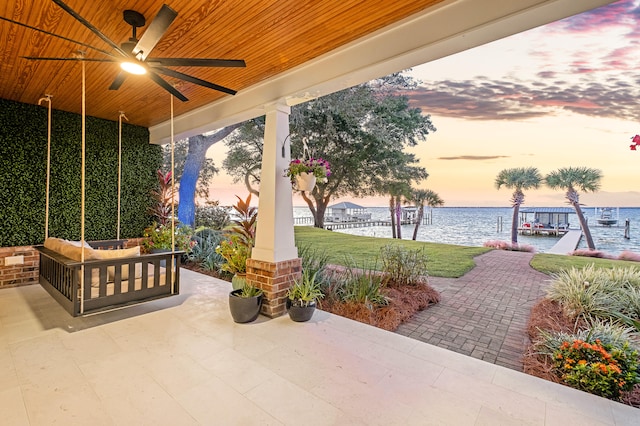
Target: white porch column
x=274 y=231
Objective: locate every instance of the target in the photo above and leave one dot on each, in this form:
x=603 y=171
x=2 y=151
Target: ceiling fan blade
x=41 y=58
x=155 y=31
x=56 y=35
x=117 y=82
x=166 y=86
x=194 y=80
x=90 y=26
x=196 y=62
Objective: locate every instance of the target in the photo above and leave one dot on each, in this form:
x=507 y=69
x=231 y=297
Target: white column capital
x=279 y=106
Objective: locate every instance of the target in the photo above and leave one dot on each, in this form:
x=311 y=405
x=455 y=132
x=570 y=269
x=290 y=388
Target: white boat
x=606 y=217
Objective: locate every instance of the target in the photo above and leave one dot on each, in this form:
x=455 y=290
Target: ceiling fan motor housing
x=136 y=20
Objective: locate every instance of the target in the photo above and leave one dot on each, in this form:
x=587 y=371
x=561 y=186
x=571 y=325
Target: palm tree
x=421 y=197
x=396 y=190
x=569 y=178
x=518 y=179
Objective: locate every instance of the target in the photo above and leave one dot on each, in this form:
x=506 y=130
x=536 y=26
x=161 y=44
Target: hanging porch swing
x=90 y=277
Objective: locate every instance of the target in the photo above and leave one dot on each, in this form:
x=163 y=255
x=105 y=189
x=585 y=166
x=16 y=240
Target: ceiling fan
x=135 y=53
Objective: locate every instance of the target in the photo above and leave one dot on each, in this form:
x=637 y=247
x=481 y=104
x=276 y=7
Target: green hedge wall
x=23 y=171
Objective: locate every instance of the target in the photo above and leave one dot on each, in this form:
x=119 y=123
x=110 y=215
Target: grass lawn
x=444 y=260
x=553 y=263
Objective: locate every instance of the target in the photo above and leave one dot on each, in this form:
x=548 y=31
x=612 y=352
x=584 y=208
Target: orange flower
x=582 y=362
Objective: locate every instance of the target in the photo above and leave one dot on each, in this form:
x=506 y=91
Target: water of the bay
x=473 y=226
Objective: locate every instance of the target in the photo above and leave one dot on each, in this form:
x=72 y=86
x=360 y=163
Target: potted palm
x=245 y=303
x=302 y=297
x=304 y=173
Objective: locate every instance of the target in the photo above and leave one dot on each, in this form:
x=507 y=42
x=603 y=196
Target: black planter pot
x=244 y=309
x=300 y=313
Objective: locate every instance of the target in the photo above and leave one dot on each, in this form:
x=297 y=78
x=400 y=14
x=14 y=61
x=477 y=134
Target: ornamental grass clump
x=402 y=266
x=362 y=287
x=584 y=292
x=612 y=294
x=596 y=367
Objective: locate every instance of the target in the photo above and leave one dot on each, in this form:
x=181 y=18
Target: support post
x=274 y=262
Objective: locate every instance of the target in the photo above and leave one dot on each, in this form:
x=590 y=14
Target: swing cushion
x=66 y=248
x=74 y=252
x=119 y=254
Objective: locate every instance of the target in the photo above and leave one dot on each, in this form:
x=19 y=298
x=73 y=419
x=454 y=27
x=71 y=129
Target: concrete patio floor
x=182 y=361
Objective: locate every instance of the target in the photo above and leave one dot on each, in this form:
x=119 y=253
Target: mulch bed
x=404 y=302
x=548 y=315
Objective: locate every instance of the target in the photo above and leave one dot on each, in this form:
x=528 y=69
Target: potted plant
x=236 y=249
x=302 y=297
x=304 y=173
x=245 y=303
x=235 y=254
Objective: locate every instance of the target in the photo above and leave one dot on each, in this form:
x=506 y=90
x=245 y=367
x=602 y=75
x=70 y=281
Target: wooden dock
x=568 y=243
x=352 y=224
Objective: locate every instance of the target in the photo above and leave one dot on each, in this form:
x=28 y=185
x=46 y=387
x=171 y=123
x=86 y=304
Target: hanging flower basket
x=305 y=181
x=305 y=173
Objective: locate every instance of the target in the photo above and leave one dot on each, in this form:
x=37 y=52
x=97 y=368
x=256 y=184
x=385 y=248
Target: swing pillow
x=120 y=254
x=69 y=250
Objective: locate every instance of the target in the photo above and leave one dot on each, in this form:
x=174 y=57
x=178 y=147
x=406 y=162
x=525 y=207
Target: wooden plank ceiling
x=272 y=36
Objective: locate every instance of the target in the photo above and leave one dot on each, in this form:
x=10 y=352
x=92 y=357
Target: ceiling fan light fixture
x=133 y=68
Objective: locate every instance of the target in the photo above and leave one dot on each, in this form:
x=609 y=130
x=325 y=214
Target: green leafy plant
x=597 y=367
x=203 y=252
x=236 y=249
x=360 y=285
x=212 y=216
x=314 y=260
x=249 y=291
x=235 y=254
x=305 y=290
x=402 y=266
x=159 y=237
x=594 y=291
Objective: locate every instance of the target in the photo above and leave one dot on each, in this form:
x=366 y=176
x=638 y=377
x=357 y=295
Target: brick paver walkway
x=484 y=313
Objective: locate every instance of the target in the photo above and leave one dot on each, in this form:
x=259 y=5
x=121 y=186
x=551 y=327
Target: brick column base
x=274 y=279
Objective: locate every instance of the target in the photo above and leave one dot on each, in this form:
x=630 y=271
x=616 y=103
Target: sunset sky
x=561 y=95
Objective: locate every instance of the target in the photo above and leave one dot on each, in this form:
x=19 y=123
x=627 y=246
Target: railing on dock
x=308 y=220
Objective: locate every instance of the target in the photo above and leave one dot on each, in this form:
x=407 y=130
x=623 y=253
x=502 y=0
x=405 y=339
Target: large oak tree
x=362 y=131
